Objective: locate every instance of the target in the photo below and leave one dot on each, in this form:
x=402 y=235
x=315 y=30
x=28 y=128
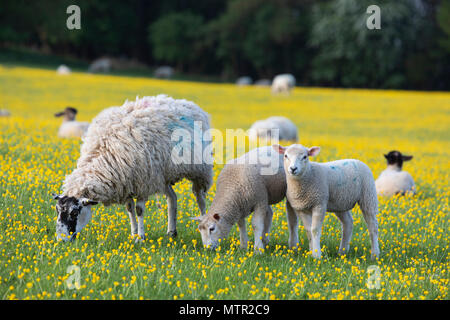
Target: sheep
x=103 y=64
x=127 y=154
x=164 y=72
x=283 y=83
x=70 y=128
x=244 y=81
x=393 y=180
x=63 y=70
x=250 y=183
x=287 y=130
x=4 y=113
x=314 y=188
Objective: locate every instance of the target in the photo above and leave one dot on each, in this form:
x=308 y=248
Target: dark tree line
x=323 y=43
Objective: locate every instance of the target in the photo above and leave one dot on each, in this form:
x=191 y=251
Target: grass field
x=362 y=124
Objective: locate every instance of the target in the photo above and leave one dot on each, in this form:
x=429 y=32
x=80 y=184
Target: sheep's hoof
x=172 y=234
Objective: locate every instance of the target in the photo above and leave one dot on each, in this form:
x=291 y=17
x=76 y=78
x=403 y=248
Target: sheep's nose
x=293 y=169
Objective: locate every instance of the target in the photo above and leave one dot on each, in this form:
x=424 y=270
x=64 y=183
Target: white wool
x=262 y=128
x=283 y=83
x=73 y=129
x=126 y=152
x=394 y=181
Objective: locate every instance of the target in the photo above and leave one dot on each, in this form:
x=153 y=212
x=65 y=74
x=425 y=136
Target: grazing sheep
x=63 y=70
x=244 y=81
x=128 y=153
x=287 y=130
x=247 y=184
x=283 y=83
x=4 y=113
x=103 y=64
x=164 y=72
x=315 y=188
x=70 y=128
x=263 y=83
x=393 y=180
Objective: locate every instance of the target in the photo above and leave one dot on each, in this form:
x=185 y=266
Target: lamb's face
x=73 y=215
x=296 y=158
x=211 y=230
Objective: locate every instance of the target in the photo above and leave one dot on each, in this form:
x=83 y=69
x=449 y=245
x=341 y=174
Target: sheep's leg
x=140 y=208
x=306 y=220
x=347 y=229
x=318 y=214
x=200 y=196
x=243 y=233
x=172 y=208
x=131 y=213
x=370 y=216
x=267 y=224
x=292 y=220
x=258 y=227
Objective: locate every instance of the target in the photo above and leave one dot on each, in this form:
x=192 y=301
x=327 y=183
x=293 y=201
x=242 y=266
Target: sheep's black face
x=396 y=158
x=73 y=215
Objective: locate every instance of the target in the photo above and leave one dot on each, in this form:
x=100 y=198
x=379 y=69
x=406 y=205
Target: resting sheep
x=70 y=128
x=393 y=180
x=127 y=154
x=244 y=81
x=315 y=188
x=283 y=83
x=4 y=113
x=63 y=70
x=287 y=130
x=247 y=184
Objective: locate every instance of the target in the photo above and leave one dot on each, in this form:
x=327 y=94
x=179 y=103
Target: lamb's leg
x=243 y=233
x=370 y=216
x=200 y=196
x=258 y=227
x=130 y=209
x=306 y=220
x=172 y=209
x=292 y=220
x=347 y=229
x=140 y=208
x=267 y=225
x=318 y=214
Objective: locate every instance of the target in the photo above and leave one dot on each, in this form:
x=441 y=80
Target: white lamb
x=285 y=128
x=393 y=180
x=315 y=188
x=283 y=83
x=247 y=184
x=70 y=128
x=127 y=155
x=63 y=70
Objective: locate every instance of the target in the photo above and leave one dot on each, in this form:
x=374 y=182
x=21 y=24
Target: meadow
x=363 y=124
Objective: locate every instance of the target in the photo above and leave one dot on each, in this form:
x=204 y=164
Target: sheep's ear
x=386 y=156
x=279 y=148
x=60 y=114
x=216 y=216
x=56 y=196
x=407 y=158
x=87 y=202
x=313 y=151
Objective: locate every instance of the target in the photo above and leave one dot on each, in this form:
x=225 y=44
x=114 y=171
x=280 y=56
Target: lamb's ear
x=313 y=151
x=279 y=148
x=87 y=202
x=407 y=158
x=386 y=156
x=60 y=114
x=216 y=216
x=56 y=196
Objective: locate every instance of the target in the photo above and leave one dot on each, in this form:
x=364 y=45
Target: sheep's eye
x=211 y=229
x=285 y=156
x=304 y=157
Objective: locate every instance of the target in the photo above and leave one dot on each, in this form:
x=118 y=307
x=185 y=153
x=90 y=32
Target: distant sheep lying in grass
x=127 y=155
x=286 y=129
x=70 y=128
x=247 y=184
x=283 y=83
x=393 y=180
x=4 y=113
x=315 y=188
